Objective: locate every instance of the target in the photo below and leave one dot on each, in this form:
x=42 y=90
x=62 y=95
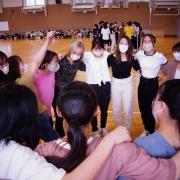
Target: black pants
x=147 y=90
x=103 y=96
x=59 y=120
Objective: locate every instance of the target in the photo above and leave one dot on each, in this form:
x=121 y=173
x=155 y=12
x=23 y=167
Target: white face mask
x=74 y=57
x=97 y=53
x=123 y=48
x=154 y=113
x=177 y=56
x=147 y=47
x=53 y=68
x=5 y=69
x=25 y=68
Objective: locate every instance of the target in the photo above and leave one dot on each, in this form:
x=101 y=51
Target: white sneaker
x=96 y=134
x=145 y=133
x=104 y=131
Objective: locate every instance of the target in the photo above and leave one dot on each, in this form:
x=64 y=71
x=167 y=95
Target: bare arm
x=176 y=159
x=40 y=55
x=88 y=169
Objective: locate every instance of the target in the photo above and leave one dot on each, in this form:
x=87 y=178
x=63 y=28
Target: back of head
x=19 y=115
x=14 y=70
x=169 y=92
x=105 y=26
x=77 y=103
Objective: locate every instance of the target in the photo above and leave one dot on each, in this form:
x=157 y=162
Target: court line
x=62 y=48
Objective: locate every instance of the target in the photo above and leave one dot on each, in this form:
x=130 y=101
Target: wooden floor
x=27 y=49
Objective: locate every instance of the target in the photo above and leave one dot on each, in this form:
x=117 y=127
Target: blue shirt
x=156 y=145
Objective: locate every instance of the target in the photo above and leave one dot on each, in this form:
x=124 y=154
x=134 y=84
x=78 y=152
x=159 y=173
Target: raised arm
x=40 y=55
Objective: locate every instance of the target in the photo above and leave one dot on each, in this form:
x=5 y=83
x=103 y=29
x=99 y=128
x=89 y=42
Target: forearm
x=39 y=57
x=90 y=166
x=176 y=159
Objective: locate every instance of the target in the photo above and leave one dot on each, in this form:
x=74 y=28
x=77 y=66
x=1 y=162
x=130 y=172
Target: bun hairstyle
x=77 y=103
x=169 y=92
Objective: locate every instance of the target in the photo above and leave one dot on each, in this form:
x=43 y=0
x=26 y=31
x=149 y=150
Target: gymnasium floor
x=27 y=49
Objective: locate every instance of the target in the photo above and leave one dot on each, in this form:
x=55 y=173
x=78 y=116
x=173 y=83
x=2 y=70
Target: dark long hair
x=19 y=115
x=48 y=58
x=14 y=70
x=77 y=102
x=169 y=92
x=128 y=52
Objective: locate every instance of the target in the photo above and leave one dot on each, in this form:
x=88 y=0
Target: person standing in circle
x=150 y=62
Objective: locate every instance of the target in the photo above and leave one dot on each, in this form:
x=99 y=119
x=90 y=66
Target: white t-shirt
x=96 y=69
x=177 y=74
x=18 y=162
x=105 y=33
x=150 y=65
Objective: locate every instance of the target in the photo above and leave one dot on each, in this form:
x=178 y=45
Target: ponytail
x=77 y=102
x=77 y=141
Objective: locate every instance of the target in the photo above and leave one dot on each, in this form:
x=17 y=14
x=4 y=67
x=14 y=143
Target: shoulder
x=26 y=77
x=149 y=141
x=106 y=53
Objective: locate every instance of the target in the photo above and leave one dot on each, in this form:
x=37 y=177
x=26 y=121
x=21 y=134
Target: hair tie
x=74 y=116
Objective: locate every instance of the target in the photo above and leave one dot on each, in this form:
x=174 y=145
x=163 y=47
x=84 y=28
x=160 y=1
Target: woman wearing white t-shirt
x=105 y=35
x=150 y=62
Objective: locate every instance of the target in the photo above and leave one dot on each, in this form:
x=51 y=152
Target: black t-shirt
x=124 y=69
x=96 y=32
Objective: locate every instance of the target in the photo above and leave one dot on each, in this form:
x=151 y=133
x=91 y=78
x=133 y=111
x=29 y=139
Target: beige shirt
x=27 y=80
x=169 y=69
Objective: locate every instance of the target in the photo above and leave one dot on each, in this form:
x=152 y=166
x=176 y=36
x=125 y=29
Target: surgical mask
x=147 y=47
x=97 y=53
x=5 y=69
x=154 y=113
x=177 y=56
x=25 y=67
x=123 y=48
x=53 y=68
x=74 y=57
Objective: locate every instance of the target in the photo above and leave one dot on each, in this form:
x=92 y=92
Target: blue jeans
x=46 y=130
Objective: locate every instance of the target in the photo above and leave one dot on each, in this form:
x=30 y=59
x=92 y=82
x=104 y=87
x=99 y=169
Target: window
x=34 y=2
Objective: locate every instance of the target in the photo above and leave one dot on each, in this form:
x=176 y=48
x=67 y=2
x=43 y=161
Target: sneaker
x=104 y=131
x=145 y=133
x=96 y=134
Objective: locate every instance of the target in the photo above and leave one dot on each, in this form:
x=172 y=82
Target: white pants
x=122 y=97
x=113 y=41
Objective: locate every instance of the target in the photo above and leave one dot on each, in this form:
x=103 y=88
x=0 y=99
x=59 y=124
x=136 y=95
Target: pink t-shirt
x=125 y=160
x=44 y=84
